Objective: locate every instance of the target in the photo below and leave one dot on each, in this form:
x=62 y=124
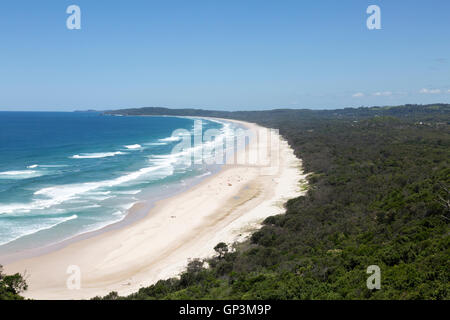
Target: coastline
x=224 y=207
x=136 y=211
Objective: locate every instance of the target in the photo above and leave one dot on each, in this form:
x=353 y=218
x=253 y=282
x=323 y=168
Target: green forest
x=378 y=194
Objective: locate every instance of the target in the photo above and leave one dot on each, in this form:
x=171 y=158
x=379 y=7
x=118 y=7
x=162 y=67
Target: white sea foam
x=130 y=192
x=19 y=232
x=52 y=196
x=99 y=198
x=101 y=193
x=100 y=225
x=204 y=174
x=134 y=146
x=34 y=166
x=171 y=139
x=20 y=174
x=53 y=165
x=155 y=144
x=128 y=206
x=15 y=173
x=96 y=155
x=93 y=206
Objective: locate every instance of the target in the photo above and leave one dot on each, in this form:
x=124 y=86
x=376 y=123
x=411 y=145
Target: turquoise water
x=65 y=174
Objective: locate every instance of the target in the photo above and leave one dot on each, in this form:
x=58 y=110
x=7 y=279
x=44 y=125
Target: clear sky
x=222 y=54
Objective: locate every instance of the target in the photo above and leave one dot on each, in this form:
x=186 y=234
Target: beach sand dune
x=225 y=207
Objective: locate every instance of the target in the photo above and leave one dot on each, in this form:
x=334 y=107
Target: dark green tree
x=221 y=249
x=11 y=286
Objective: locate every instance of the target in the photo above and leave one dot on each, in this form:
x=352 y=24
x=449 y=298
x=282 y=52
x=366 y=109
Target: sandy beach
x=225 y=207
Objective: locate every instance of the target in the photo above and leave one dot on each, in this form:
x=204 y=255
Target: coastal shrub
x=11 y=286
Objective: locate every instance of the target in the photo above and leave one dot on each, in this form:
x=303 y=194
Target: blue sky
x=222 y=54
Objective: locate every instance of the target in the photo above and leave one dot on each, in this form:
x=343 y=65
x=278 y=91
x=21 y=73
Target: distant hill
x=404 y=111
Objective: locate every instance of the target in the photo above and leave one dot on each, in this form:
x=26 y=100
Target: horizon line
x=241 y=110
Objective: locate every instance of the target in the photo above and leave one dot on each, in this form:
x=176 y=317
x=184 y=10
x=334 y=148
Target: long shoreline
x=224 y=207
x=136 y=212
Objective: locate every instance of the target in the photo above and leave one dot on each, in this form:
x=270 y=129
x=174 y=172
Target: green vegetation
x=378 y=195
x=11 y=286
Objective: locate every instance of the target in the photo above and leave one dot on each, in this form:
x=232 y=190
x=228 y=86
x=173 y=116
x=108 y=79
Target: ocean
x=63 y=174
